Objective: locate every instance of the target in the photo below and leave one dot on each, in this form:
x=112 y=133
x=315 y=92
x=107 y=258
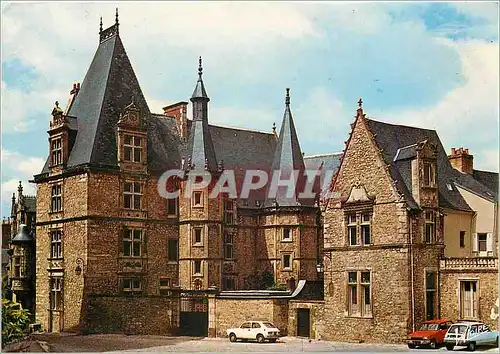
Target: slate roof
x=288 y=158
x=328 y=165
x=488 y=179
x=108 y=87
x=391 y=137
x=472 y=184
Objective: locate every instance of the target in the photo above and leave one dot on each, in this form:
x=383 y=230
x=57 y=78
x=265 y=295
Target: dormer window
x=132 y=148
x=429 y=175
x=56 y=151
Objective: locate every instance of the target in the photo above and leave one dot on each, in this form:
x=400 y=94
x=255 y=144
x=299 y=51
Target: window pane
x=127 y=201
x=137 y=187
x=366 y=290
x=137 y=202
x=366 y=218
x=365 y=232
x=172 y=250
x=286 y=261
x=137 y=141
x=352 y=219
x=352 y=277
x=127 y=187
x=137 y=249
x=365 y=277
x=430 y=280
x=137 y=155
x=128 y=139
x=127 y=153
x=353 y=239
x=353 y=295
x=126 y=248
x=137 y=234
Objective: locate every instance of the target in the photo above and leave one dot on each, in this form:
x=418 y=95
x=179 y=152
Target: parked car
x=470 y=335
x=258 y=330
x=431 y=334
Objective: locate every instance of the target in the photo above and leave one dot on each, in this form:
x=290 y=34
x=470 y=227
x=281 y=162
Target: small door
x=303 y=323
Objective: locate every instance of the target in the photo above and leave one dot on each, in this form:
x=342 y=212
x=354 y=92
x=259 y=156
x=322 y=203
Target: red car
x=431 y=334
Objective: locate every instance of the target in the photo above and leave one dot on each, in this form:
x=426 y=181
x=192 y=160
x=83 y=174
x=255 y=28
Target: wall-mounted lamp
x=320 y=268
x=79 y=266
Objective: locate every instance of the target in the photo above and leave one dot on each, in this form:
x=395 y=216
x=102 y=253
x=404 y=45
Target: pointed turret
x=103 y=95
x=288 y=158
x=200 y=147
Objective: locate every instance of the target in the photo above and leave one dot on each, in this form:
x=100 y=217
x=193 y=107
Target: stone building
x=110 y=248
x=21 y=249
x=386 y=236
x=378 y=255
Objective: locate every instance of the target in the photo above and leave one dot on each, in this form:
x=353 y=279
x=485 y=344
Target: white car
x=470 y=335
x=258 y=330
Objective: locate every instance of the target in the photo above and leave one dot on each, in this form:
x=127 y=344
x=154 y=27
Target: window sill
x=197 y=206
x=197 y=275
x=370 y=317
x=55 y=259
x=172 y=216
x=197 y=244
x=287 y=270
x=172 y=262
x=55 y=212
x=288 y=240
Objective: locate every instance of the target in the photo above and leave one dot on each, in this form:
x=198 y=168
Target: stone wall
x=487 y=294
x=315 y=316
x=152 y=315
x=230 y=313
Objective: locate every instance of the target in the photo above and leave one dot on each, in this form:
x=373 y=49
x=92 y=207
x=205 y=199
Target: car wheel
x=471 y=347
x=433 y=344
x=260 y=338
x=232 y=337
x=450 y=346
x=411 y=346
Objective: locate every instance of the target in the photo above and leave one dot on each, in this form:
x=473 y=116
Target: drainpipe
x=410 y=245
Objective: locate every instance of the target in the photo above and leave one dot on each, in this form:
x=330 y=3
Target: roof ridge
x=242 y=129
x=400 y=125
x=321 y=155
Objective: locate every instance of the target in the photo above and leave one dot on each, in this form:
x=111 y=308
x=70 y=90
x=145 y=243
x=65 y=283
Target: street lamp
x=79 y=266
x=320 y=268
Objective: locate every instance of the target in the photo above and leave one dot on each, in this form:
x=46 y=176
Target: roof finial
x=20 y=188
x=360 y=103
x=287 y=98
x=100 y=26
x=200 y=67
x=116 y=16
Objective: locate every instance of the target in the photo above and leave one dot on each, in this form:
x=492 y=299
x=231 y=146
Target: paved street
x=289 y=344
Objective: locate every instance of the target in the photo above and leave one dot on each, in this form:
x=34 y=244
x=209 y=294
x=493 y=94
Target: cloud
x=17 y=167
x=471 y=107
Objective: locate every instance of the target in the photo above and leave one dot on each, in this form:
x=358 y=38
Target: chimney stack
x=461 y=160
x=179 y=112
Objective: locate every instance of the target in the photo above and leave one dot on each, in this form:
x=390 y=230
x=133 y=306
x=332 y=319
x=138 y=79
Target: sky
x=431 y=65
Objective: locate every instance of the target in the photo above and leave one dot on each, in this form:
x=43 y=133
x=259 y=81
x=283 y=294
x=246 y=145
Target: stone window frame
x=194 y=203
x=429 y=174
x=462 y=239
x=18 y=266
x=164 y=285
x=128 y=237
x=56 y=151
x=133 y=148
x=358 y=226
x=175 y=212
x=197 y=284
x=290 y=267
x=197 y=262
x=284 y=233
x=430 y=219
x=133 y=193
x=169 y=258
x=461 y=281
x=361 y=310
x=194 y=235
x=228 y=213
x=228 y=283
x=56 y=293
x=434 y=291
x=228 y=244
x=56 y=197
x=59 y=252
x=131 y=285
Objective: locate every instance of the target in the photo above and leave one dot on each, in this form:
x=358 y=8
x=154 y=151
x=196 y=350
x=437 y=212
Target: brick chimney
x=461 y=160
x=179 y=112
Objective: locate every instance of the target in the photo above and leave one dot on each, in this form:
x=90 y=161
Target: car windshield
x=268 y=325
x=457 y=328
x=429 y=327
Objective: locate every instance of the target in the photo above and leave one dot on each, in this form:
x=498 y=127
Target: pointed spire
x=20 y=188
x=100 y=26
x=287 y=157
x=199 y=91
x=274 y=130
x=116 y=17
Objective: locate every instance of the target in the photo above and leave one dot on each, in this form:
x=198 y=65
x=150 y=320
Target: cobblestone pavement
x=292 y=345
